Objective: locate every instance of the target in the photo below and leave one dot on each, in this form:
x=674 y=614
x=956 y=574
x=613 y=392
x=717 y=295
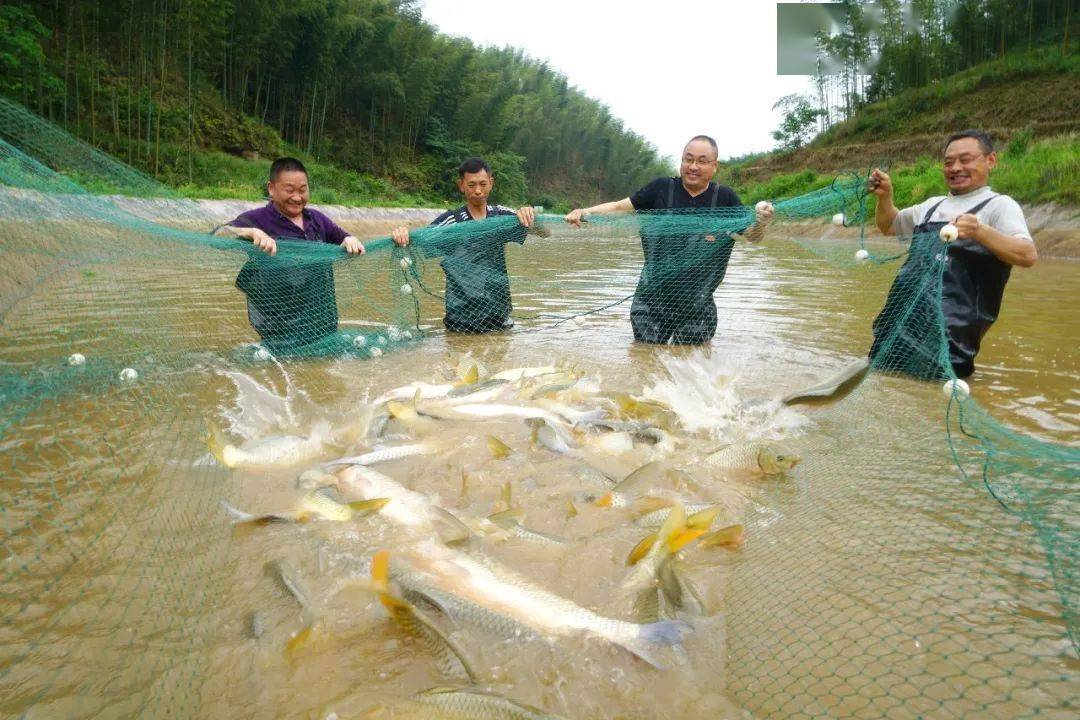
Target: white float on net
x=959 y=386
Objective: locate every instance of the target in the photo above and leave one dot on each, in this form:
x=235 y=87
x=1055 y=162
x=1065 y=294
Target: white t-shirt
x=1002 y=213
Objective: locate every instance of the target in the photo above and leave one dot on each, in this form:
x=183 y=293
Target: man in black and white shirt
x=477 y=286
x=992 y=237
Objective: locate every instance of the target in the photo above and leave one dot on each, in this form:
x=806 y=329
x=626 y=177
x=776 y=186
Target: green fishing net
x=871 y=590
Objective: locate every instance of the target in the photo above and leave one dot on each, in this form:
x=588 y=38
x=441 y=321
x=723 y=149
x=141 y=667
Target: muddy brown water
x=874 y=581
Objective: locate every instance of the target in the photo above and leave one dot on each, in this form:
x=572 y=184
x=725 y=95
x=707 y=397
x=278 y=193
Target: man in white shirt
x=992 y=236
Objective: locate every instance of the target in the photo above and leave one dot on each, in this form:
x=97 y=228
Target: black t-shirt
x=477 y=286
x=654 y=196
x=681 y=271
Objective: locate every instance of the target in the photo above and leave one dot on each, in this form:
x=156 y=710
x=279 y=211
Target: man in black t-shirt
x=673 y=301
x=477 y=286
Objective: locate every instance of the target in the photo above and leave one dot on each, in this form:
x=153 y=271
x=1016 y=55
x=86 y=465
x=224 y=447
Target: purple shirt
x=317 y=226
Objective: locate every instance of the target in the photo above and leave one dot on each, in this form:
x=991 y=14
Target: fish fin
x=301 y=638
x=380 y=571
x=571 y=509
x=508 y=494
x=678 y=541
x=513 y=516
x=651 y=503
x=665 y=633
x=731 y=536
x=239 y=517
x=236 y=514
x=464 y=483
x=498 y=448
x=401 y=411
x=605 y=500
x=367 y=507
x=641 y=549
x=216 y=442
x=703 y=519
x=471 y=376
x=448 y=527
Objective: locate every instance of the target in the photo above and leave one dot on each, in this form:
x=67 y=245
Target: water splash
x=704 y=391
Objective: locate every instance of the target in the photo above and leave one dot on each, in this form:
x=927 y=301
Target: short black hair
x=986 y=144
x=707 y=139
x=285 y=164
x=473 y=165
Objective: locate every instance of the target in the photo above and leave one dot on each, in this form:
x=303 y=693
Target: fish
x=270 y=452
x=642 y=583
x=471 y=390
x=768 y=458
x=427 y=391
x=834 y=389
x=479 y=591
x=485 y=411
x=317 y=505
x=656 y=518
x=511 y=520
x=406 y=414
x=386 y=454
x=572 y=415
x=677 y=590
x=552 y=436
x=645 y=476
x=290 y=581
x=407 y=508
x=449 y=657
x=651 y=411
x=469 y=703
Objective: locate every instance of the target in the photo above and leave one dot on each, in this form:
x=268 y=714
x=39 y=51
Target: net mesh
x=924 y=565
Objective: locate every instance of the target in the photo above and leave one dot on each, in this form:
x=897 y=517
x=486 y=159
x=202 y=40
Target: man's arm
x=576 y=217
x=886 y=212
x=257 y=237
x=338 y=236
x=1010 y=249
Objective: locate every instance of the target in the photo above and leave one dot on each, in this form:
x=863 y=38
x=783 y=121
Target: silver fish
x=474 y=704
x=834 y=388
x=436 y=571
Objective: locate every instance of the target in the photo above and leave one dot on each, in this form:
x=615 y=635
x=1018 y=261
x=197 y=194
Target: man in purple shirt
x=293 y=305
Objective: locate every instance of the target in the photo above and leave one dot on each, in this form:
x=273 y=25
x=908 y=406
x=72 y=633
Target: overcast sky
x=669 y=69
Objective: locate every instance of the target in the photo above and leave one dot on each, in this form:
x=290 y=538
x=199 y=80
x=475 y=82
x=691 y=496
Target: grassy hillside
x=1028 y=102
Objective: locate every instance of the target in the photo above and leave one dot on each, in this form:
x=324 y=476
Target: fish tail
x=380 y=571
x=236 y=514
x=653 y=636
x=216 y=442
x=301 y=638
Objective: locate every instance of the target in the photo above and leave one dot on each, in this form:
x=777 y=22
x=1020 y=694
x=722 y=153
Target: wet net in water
x=923 y=565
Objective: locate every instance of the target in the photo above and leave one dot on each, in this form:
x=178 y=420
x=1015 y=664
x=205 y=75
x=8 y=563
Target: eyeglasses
x=696 y=161
x=962 y=160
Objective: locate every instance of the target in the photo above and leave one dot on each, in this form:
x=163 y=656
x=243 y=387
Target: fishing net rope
x=121 y=313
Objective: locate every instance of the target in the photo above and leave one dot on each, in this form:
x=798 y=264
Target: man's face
x=476 y=187
x=966 y=167
x=698 y=164
x=289 y=192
